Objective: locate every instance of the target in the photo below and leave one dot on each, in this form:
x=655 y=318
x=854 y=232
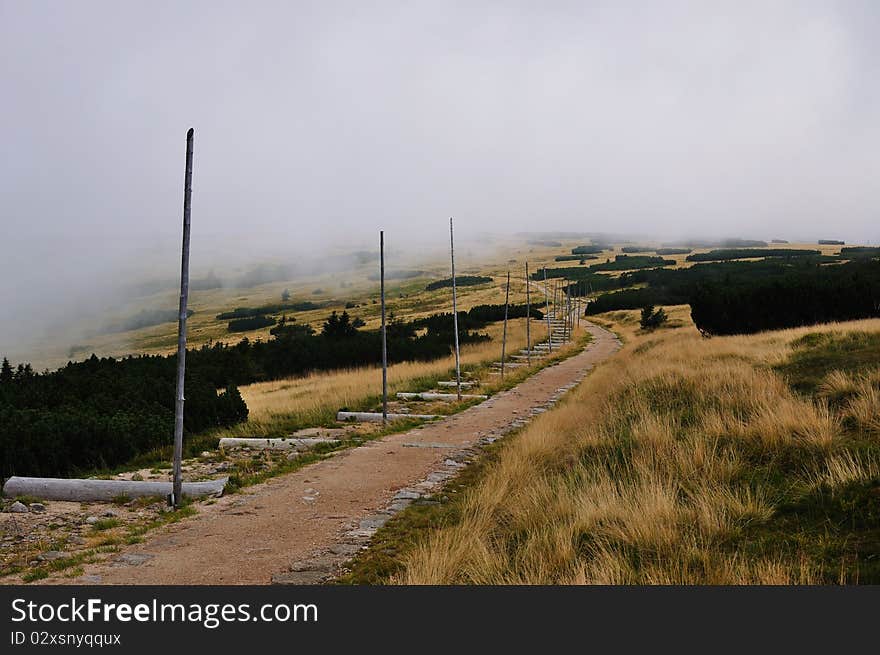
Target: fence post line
x=384 y=338
x=455 y=313
x=528 y=320
x=177 y=479
x=504 y=333
x=547 y=312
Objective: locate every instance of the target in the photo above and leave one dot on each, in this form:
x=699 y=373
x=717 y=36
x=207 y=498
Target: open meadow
x=682 y=460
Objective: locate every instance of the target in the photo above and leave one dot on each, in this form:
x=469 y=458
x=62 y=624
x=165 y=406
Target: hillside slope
x=735 y=460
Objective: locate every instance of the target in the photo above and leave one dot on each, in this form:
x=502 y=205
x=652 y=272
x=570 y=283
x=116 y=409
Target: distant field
x=280 y=406
x=406 y=297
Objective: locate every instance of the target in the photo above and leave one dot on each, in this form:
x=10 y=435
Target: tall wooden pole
x=556 y=300
x=547 y=312
x=578 y=303
x=564 y=298
x=528 y=320
x=384 y=340
x=504 y=333
x=177 y=484
x=567 y=324
x=455 y=313
x=570 y=313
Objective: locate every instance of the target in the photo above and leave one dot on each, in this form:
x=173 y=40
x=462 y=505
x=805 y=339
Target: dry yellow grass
x=314 y=399
x=643 y=473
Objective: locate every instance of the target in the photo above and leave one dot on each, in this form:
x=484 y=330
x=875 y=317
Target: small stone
x=50 y=555
x=109 y=513
x=76 y=540
x=406 y=494
x=92 y=520
x=345 y=549
x=18 y=508
x=375 y=521
x=399 y=505
x=323 y=563
x=133 y=559
x=299 y=577
x=37 y=507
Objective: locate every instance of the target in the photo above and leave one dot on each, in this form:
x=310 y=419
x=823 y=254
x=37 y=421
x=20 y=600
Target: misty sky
x=323 y=121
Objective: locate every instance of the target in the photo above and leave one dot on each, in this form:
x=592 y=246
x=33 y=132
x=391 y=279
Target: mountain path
x=298 y=528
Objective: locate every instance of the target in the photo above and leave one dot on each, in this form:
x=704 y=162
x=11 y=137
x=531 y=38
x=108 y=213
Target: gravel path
x=298 y=528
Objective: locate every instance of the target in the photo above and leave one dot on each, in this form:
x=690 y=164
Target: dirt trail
x=247 y=538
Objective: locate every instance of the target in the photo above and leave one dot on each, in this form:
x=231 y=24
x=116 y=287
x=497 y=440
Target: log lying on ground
x=104 y=490
x=293 y=443
x=376 y=417
x=451 y=383
x=427 y=395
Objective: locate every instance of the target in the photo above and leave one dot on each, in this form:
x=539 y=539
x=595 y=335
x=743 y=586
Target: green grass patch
x=837 y=530
x=165 y=518
x=816 y=354
x=35 y=574
x=105 y=524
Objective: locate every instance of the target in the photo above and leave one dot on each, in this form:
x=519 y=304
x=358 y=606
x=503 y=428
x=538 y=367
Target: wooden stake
x=580 y=302
x=504 y=333
x=556 y=299
x=384 y=341
x=567 y=308
x=455 y=313
x=547 y=312
x=570 y=311
x=177 y=479
x=528 y=319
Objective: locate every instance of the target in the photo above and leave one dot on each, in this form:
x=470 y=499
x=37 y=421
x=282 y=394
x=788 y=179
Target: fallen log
x=104 y=490
x=292 y=443
x=376 y=417
x=427 y=395
x=451 y=383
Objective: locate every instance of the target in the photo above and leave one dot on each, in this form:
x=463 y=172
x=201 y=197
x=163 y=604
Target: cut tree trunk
x=104 y=490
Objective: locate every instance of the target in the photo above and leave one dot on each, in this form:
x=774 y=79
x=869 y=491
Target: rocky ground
x=41 y=537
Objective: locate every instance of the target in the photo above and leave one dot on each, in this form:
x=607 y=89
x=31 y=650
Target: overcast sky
x=318 y=121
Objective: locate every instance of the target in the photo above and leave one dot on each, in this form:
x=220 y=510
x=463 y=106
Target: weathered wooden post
x=455 y=313
x=568 y=311
x=565 y=309
x=177 y=481
x=384 y=341
x=583 y=300
x=556 y=298
x=528 y=320
x=547 y=312
x=504 y=333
